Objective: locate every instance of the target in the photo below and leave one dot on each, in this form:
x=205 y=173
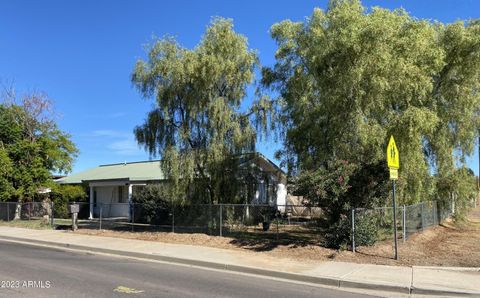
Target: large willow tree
x=348 y=78
x=196 y=126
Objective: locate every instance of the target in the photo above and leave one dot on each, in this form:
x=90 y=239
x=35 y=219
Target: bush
x=63 y=194
x=366 y=230
x=152 y=205
x=339 y=235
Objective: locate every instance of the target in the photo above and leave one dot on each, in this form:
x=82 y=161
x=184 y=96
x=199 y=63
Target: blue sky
x=82 y=54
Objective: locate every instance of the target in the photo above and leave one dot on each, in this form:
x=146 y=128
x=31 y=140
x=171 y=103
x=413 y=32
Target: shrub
x=339 y=234
x=63 y=194
x=366 y=230
x=152 y=205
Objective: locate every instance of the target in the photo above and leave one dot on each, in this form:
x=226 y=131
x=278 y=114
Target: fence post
x=133 y=216
x=173 y=218
x=8 y=211
x=221 y=220
x=52 y=204
x=404 y=224
x=452 y=211
x=276 y=216
x=421 y=212
x=101 y=210
x=353 y=229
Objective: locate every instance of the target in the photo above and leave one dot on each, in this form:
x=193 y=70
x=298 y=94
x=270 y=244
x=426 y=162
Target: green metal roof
x=150 y=170
x=130 y=171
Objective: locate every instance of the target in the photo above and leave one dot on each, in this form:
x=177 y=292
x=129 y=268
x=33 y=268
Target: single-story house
x=114 y=184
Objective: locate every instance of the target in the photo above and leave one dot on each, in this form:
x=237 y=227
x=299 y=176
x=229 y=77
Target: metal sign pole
x=395 y=222
x=353 y=229
x=393 y=162
x=404 y=224
x=221 y=221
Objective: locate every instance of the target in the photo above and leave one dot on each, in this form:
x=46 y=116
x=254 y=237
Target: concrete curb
x=327 y=281
x=454 y=269
x=426 y=291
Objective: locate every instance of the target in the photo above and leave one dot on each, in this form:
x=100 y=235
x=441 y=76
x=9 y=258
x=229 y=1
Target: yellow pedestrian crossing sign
x=393 y=174
x=393 y=158
x=393 y=161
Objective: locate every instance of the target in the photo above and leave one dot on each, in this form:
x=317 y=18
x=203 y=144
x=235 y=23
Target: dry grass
x=27 y=224
x=451 y=244
x=446 y=245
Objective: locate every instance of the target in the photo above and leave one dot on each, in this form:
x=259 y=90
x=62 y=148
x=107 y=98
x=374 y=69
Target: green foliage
x=340 y=186
x=70 y=193
x=327 y=187
x=6 y=169
x=347 y=79
x=339 y=234
x=197 y=127
x=31 y=147
x=460 y=186
x=366 y=230
x=153 y=205
x=369 y=186
x=61 y=195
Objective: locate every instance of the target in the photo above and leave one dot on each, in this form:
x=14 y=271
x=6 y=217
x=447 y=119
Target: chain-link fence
x=281 y=222
x=371 y=225
x=32 y=213
x=287 y=223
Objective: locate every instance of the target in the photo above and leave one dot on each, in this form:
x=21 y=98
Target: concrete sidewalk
x=406 y=280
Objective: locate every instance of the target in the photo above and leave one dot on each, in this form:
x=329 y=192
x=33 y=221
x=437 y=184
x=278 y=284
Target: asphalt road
x=29 y=271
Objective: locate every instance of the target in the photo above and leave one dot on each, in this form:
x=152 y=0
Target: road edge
x=326 y=281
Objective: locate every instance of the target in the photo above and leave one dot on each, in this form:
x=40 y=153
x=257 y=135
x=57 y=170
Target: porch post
x=130 y=191
x=91 y=203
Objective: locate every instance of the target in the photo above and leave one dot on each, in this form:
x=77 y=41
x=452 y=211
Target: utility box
x=73 y=208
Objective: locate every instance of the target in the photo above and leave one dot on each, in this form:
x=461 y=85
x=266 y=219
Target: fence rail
x=219 y=219
x=288 y=223
x=410 y=220
x=30 y=211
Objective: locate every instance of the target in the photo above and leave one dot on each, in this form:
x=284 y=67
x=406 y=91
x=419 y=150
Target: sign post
x=393 y=161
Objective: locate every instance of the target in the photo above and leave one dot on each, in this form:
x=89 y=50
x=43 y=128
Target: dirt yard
x=446 y=245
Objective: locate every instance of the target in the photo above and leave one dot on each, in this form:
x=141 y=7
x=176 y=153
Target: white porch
x=111 y=198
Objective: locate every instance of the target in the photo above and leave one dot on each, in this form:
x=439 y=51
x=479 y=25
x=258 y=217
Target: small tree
x=339 y=186
x=461 y=187
x=31 y=146
x=327 y=187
